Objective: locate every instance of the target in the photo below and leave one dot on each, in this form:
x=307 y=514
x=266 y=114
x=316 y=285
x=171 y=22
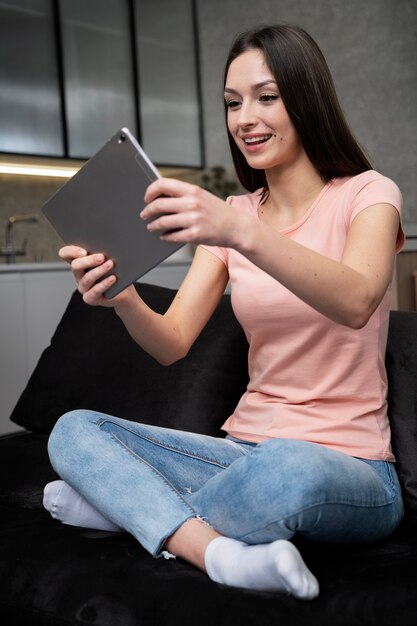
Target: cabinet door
x=98 y=72
x=31 y=305
x=30 y=109
x=13 y=371
x=168 y=82
x=46 y=297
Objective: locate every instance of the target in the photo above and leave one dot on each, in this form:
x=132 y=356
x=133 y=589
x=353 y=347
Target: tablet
x=98 y=209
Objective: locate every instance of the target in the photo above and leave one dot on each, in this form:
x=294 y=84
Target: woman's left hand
x=186 y=213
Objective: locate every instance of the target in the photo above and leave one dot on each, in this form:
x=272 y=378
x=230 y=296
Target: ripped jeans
x=150 y=480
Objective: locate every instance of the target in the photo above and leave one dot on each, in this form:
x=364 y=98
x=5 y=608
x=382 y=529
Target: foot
x=67 y=506
x=276 y=566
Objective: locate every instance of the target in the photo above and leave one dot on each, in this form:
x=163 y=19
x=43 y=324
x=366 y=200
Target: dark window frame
x=59 y=52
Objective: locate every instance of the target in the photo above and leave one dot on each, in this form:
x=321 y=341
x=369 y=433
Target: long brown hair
x=309 y=95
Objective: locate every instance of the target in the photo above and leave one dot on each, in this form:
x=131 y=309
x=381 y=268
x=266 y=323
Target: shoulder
x=368 y=188
x=247 y=201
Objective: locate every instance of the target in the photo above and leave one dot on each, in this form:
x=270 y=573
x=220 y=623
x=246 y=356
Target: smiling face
x=256 y=115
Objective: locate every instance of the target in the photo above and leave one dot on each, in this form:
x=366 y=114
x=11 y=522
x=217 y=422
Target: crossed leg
x=255 y=498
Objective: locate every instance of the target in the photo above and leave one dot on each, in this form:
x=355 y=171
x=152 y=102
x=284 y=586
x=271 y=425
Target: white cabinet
x=31 y=305
x=13 y=342
x=33 y=298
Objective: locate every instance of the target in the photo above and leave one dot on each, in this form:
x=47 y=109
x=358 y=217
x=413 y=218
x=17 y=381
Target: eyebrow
x=254 y=87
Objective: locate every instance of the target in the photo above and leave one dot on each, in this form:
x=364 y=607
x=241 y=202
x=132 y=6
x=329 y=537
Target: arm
x=169 y=337
x=166 y=337
x=347 y=291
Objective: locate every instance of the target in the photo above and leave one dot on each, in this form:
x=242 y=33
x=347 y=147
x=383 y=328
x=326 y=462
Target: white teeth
x=258 y=139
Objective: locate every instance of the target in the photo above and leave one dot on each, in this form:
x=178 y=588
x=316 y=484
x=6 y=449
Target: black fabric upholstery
x=92 y=363
x=401 y=363
x=55 y=575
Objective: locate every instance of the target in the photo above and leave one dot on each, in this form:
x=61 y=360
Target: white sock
x=67 y=506
x=276 y=566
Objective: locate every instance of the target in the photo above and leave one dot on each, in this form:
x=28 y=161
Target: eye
x=232 y=104
x=268 y=98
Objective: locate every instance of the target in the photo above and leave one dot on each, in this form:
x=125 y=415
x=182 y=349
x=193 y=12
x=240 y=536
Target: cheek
x=288 y=135
x=230 y=125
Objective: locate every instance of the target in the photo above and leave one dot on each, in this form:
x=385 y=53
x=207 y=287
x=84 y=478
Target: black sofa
x=53 y=574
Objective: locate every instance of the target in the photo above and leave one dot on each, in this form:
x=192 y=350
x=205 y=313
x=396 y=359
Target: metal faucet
x=10 y=252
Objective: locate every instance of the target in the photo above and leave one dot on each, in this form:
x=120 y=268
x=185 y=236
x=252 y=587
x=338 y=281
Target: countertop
x=16 y=268
x=410 y=244
x=179 y=259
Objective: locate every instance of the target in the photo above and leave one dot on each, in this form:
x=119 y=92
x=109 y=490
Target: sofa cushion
x=93 y=363
x=57 y=575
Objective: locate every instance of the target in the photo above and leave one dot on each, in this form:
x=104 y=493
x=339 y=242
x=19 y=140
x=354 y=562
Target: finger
x=69 y=253
x=95 y=296
x=88 y=262
x=172 y=222
x=167 y=205
x=88 y=279
x=168 y=187
x=81 y=265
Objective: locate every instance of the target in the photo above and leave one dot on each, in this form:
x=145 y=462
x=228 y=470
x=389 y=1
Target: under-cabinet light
x=37 y=170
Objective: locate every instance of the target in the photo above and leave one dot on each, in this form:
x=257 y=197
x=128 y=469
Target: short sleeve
x=220 y=253
x=373 y=188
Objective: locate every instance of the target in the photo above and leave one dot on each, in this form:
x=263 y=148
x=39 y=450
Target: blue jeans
x=150 y=480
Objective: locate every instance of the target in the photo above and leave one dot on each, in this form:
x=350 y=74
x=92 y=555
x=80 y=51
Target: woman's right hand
x=88 y=271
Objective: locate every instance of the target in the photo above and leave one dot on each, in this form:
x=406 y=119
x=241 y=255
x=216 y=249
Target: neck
x=293 y=186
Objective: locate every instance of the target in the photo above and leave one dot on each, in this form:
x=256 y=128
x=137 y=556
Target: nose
x=246 y=117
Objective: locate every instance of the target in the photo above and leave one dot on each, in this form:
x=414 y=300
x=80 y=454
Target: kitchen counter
x=410 y=244
x=180 y=259
x=61 y=266
x=13 y=268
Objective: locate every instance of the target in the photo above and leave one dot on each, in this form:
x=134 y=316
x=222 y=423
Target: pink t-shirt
x=312 y=378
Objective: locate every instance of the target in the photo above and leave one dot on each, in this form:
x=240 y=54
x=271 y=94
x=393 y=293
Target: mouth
x=256 y=140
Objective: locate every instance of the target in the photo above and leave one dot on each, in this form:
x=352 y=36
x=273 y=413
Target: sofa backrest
x=93 y=363
x=401 y=364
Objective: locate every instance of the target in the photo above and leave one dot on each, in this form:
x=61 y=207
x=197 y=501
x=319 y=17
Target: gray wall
x=371 y=48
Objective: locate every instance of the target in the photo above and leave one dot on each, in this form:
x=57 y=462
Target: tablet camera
x=122 y=137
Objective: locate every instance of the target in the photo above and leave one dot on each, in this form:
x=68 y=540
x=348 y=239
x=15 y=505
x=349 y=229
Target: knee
x=294 y=468
x=67 y=433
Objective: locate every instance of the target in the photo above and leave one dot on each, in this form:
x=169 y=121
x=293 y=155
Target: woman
x=309 y=253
